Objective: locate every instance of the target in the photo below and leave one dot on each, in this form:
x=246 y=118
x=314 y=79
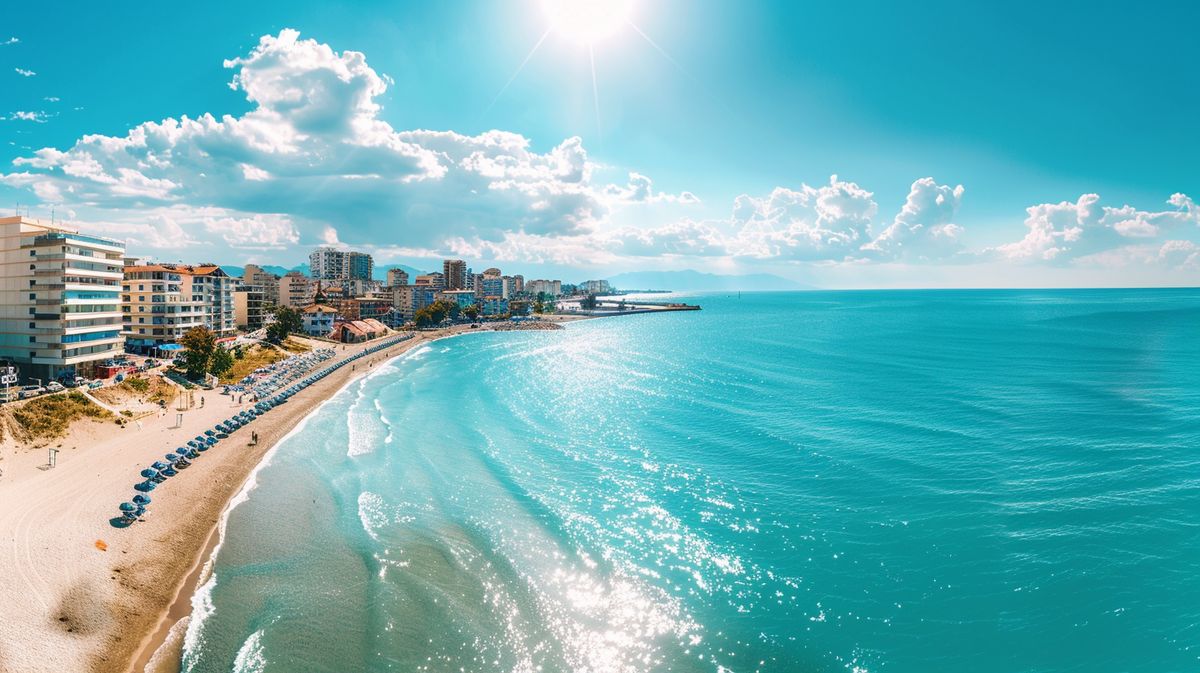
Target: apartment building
x=455 y=273
x=295 y=290
x=204 y=288
x=396 y=277
x=155 y=309
x=60 y=299
x=334 y=264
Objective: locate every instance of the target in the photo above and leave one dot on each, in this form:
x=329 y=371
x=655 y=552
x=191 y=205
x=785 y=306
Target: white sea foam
x=372 y=513
x=202 y=602
x=384 y=419
x=251 y=658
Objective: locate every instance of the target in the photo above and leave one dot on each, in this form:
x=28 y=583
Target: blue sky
x=712 y=151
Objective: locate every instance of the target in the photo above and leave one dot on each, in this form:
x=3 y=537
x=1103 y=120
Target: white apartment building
x=60 y=296
x=552 y=288
x=334 y=264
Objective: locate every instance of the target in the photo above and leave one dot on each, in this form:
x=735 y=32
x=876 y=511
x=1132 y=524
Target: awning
x=170 y=347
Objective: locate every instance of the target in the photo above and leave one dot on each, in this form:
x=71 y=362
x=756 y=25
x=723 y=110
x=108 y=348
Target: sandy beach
x=81 y=595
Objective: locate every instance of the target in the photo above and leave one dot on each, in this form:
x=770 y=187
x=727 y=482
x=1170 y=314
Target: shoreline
x=157 y=653
x=79 y=594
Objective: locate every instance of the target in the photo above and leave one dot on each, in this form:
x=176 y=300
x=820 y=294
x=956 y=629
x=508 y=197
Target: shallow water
x=985 y=481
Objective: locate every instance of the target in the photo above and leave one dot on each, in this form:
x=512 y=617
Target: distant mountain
x=381 y=271
x=237 y=271
x=690 y=280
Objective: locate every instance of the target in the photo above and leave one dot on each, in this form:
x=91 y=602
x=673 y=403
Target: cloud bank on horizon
x=313 y=162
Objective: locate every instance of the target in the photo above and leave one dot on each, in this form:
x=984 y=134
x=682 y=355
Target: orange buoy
x=101 y=545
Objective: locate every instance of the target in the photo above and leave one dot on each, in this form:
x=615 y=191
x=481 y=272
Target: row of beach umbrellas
x=180 y=459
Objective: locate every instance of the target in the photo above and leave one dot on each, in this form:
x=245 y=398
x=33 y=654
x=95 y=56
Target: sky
x=856 y=144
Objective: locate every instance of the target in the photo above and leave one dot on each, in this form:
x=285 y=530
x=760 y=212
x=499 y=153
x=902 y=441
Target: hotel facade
x=161 y=302
x=60 y=299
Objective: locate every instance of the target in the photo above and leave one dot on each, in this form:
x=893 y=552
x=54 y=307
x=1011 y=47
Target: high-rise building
x=155 y=308
x=596 y=287
x=518 y=284
x=182 y=296
x=551 y=288
x=334 y=264
x=253 y=276
x=326 y=263
x=296 y=290
x=60 y=299
x=359 y=266
x=455 y=271
x=397 y=277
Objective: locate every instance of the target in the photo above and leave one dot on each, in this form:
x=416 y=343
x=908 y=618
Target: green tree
x=221 y=362
x=287 y=321
x=199 y=343
x=471 y=311
x=588 y=303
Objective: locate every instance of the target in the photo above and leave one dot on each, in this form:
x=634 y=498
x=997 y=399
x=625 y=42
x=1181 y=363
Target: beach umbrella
x=171 y=457
x=148 y=473
x=159 y=465
x=145 y=486
x=128 y=507
x=141 y=499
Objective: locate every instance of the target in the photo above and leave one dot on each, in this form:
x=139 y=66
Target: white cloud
x=1061 y=232
x=51 y=99
x=314 y=149
x=830 y=223
x=924 y=228
x=313 y=162
x=24 y=73
x=11 y=40
x=24 y=115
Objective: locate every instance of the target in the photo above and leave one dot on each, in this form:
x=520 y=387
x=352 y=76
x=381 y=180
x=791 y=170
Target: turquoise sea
x=903 y=481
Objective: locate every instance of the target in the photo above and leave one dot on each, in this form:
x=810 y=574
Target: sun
x=587 y=22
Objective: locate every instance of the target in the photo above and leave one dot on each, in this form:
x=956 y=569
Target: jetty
x=610 y=306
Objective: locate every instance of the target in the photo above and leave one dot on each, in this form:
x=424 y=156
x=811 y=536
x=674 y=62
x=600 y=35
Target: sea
x=988 y=481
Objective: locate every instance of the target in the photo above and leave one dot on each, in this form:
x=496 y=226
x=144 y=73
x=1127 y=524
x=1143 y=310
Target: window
x=32 y=325
x=32 y=297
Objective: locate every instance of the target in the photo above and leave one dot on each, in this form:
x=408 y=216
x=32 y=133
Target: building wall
x=60 y=297
x=155 y=309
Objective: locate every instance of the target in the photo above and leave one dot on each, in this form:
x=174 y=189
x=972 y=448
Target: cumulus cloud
x=924 y=228
x=313 y=150
x=313 y=162
x=830 y=223
x=1065 y=231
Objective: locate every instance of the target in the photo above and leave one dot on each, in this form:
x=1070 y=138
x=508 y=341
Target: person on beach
x=201 y=401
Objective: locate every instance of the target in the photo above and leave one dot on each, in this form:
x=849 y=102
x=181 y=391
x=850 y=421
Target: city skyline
x=562 y=153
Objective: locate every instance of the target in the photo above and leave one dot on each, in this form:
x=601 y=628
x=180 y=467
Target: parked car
x=55 y=387
x=30 y=391
x=95 y=384
x=75 y=382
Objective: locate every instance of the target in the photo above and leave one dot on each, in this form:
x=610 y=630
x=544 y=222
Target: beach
x=92 y=597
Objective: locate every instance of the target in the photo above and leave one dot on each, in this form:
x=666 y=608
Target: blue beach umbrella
x=148 y=473
x=145 y=486
x=128 y=507
x=159 y=465
x=141 y=499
